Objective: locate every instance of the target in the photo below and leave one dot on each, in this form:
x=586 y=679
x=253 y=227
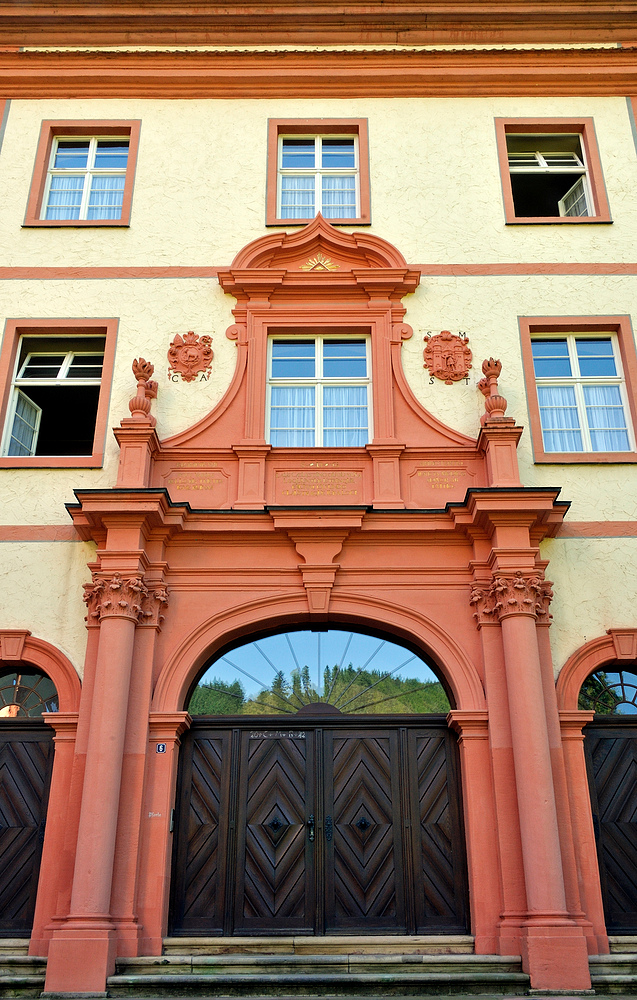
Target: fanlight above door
x=329 y=672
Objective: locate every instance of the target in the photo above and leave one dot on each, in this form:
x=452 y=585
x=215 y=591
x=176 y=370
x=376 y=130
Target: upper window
x=318 y=165
x=83 y=174
x=318 y=392
x=579 y=396
x=55 y=406
x=551 y=171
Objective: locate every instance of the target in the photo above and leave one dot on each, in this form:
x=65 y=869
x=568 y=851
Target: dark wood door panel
x=364 y=885
x=275 y=864
x=611 y=751
x=26 y=757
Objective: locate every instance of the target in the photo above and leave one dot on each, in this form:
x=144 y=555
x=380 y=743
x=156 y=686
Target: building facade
x=318 y=325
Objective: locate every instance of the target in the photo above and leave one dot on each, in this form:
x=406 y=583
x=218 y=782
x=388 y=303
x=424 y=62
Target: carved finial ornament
x=447 y=356
x=139 y=405
x=190 y=356
x=511 y=595
x=495 y=405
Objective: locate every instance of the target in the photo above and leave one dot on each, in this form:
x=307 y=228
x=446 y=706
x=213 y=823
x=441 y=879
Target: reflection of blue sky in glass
x=256 y=664
x=624 y=686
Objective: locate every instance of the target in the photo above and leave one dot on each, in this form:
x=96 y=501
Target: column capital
x=168 y=726
x=572 y=723
x=114 y=597
x=511 y=594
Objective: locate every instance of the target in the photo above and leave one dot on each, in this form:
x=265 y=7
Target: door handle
x=310 y=826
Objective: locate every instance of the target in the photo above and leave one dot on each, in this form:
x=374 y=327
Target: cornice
x=310 y=73
x=257 y=21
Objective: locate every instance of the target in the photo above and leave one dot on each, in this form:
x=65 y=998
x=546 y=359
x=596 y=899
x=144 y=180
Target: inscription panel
x=329 y=485
x=203 y=484
x=433 y=483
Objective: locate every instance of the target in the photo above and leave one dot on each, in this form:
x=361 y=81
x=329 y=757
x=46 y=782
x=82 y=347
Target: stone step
x=21 y=975
x=14 y=946
x=623 y=944
x=614 y=973
x=439 y=944
x=316 y=975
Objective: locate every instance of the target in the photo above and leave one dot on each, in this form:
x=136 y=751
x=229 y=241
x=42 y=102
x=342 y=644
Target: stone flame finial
x=494 y=404
x=139 y=405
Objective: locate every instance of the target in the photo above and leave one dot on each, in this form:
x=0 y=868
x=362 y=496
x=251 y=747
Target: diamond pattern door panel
x=611 y=750
x=439 y=858
x=364 y=883
x=26 y=757
x=274 y=850
x=200 y=863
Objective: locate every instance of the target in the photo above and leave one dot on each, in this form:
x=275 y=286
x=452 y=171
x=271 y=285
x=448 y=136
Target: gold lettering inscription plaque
x=434 y=483
x=301 y=485
x=201 y=482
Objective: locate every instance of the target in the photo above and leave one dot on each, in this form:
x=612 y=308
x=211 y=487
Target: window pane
x=559 y=418
x=293 y=359
x=345 y=416
x=550 y=358
x=25 y=425
x=596 y=357
x=606 y=419
x=107 y=195
x=43 y=366
x=292 y=416
x=339 y=197
x=297 y=197
x=298 y=153
x=65 y=197
x=574 y=201
x=71 y=155
x=86 y=366
x=111 y=154
x=338 y=153
x=344 y=359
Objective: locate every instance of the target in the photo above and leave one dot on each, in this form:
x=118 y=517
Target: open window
x=56 y=394
x=83 y=174
x=551 y=171
x=318 y=165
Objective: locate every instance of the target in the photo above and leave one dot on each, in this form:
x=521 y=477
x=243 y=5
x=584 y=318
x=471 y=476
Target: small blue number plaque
x=161 y=748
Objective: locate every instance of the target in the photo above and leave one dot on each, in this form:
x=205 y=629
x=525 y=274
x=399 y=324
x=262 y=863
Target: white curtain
x=292 y=416
x=345 y=416
x=559 y=417
x=606 y=419
x=339 y=197
x=65 y=197
x=107 y=195
x=297 y=197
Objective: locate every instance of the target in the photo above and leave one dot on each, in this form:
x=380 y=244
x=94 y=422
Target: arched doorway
x=26 y=759
x=319 y=793
x=610 y=745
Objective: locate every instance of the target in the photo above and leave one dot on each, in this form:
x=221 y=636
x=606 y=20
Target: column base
x=81 y=956
x=128 y=937
x=555 y=956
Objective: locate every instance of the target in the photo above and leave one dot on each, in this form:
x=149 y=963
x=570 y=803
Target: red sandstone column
x=156 y=849
x=82 y=952
x=65 y=725
x=554 y=950
x=573 y=901
x=582 y=821
x=480 y=823
x=123 y=895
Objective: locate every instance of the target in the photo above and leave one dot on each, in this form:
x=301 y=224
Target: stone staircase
x=617 y=972
x=21 y=975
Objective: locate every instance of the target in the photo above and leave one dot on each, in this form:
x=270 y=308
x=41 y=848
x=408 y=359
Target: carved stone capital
x=511 y=595
x=114 y=597
x=154 y=602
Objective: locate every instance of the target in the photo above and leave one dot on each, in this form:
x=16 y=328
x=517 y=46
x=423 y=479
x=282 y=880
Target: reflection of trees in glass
x=605 y=696
x=351 y=690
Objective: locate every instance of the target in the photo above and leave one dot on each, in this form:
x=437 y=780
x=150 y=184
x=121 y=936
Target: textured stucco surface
x=595 y=587
x=201 y=174
x=41 y=590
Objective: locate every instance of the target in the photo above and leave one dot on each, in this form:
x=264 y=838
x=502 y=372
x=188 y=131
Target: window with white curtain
x=318 y=173
x=86 y=178
x=318 y=392
x=581 y=394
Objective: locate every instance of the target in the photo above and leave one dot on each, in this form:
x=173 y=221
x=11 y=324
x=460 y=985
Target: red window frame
x=15 y=329
x=317 y=126
x=586 y=129
x=48 y=132
x=621 y=326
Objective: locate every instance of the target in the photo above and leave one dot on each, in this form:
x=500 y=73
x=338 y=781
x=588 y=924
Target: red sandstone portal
x=214 y=535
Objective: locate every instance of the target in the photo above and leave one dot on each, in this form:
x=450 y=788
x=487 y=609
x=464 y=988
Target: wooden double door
x=324 y=827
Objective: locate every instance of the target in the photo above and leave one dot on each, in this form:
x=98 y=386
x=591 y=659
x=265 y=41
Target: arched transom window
x=610 y=692
x=26 y=691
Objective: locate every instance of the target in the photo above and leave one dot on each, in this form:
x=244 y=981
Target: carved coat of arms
x=190 y=355
x=447 y=356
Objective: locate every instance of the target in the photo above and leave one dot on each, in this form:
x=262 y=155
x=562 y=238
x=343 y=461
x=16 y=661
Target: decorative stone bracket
x=514 y=595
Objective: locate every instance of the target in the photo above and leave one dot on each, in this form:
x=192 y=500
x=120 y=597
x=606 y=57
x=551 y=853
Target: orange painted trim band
x=367 y=74
x=431 y=270
x=38 y=533
x=597 y=529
